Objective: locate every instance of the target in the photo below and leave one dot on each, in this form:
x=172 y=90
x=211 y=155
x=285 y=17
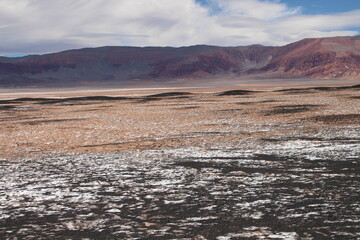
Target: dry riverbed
x=190 y=164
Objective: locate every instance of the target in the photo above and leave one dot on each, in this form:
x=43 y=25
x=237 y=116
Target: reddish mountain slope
x=318 y=58
x=337 y=58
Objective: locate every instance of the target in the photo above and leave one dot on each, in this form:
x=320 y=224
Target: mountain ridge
x=321 y=58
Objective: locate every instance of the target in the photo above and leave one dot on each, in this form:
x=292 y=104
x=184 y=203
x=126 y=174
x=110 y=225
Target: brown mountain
x=326 y=58
x=318 y=58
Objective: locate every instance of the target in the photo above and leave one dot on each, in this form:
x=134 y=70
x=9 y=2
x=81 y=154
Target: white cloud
x=38 y=26
x=264 y=10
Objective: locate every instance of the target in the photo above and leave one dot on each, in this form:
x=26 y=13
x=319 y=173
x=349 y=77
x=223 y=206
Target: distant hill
x=324 y=58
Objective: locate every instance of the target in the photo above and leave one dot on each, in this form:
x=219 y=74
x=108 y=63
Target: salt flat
x=186 y=164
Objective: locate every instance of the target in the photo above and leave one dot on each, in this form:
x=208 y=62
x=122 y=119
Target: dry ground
x=192 y=118
x=181 y=164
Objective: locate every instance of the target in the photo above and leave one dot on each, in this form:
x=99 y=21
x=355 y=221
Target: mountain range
x=323 y=58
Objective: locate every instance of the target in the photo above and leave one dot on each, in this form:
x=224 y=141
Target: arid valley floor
x=181 y=164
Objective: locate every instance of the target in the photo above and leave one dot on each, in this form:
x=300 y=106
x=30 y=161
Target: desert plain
x=190 y=163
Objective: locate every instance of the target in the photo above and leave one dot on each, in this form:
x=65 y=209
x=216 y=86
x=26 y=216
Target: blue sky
x=314 y=6
x=308 y=7
x=43 y=26
x=325 y=6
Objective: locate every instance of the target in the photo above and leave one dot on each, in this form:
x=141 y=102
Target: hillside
x=324 y=58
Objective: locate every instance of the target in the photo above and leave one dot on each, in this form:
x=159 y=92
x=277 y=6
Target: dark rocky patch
x=21 y=100
x=231 y=110
x=340 y=119
x=7 y=107
x=294 y=90
x=297 y=106
x=62 y=100
x=235 y=93
x=249 y=103
x=269 y=101
x=150 y=99
x=51 y=121
x=96 y=98
x=271 y=140
x=168 y=94
x=302 y=90
x=349 y=87
x=290 y=109
x=81 y=100
x=90 y=110
x=246 y=103
x=186 y=108
x=91 y=99
x=328 y=88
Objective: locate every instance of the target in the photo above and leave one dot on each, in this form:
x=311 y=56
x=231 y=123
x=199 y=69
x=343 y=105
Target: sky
x=44 y=26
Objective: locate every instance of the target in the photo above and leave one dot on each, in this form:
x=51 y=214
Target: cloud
x=264 y=10
x=40 y=26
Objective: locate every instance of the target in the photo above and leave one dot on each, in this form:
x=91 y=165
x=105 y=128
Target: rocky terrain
x=186 y=164
x=323 y=58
